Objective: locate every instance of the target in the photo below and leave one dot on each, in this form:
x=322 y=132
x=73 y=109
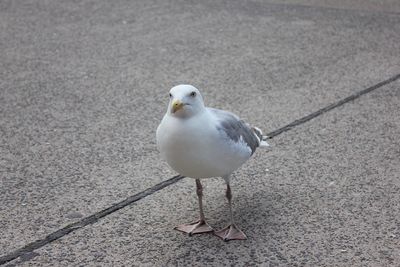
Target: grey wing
x=236 y=129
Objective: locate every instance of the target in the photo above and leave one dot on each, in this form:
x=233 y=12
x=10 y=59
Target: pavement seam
x=29 y=248
x=86 y=221
x=331 y=106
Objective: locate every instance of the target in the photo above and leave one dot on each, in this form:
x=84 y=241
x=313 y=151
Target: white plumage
x=201 y=142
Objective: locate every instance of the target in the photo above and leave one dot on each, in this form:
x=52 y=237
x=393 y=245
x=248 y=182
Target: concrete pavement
x=84 y=85
x=329 y=196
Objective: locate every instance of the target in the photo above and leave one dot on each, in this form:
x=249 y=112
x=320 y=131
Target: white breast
x=195 y=148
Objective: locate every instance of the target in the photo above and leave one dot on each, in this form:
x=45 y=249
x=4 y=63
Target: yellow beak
x=176 y=105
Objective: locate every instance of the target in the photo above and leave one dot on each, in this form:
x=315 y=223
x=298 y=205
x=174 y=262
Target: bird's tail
x=261 y=138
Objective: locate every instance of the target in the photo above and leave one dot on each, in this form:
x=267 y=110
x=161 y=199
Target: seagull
x=201 y=142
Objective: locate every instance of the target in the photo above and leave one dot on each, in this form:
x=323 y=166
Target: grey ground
x=85 y=84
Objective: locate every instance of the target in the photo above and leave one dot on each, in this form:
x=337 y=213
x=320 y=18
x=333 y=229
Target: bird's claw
x=231 y=232
x=197 y=227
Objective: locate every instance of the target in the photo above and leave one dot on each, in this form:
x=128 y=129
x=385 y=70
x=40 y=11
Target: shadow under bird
x=201 y=142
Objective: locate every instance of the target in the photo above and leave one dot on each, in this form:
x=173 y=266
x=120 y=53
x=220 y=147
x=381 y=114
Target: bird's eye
x=193 y=94
x=170 y=95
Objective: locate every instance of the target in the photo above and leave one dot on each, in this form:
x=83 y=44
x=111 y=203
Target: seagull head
x=185 y=101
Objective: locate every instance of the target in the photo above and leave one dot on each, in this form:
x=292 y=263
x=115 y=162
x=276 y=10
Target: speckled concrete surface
x=328 y=194
x=389 y=6
x=83 y=88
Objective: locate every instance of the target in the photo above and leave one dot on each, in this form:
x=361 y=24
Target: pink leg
x=230 y=232
x=200 y=226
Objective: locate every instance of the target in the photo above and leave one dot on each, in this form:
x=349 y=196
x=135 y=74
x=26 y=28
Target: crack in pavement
x=28 y=249
x=331 y=106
